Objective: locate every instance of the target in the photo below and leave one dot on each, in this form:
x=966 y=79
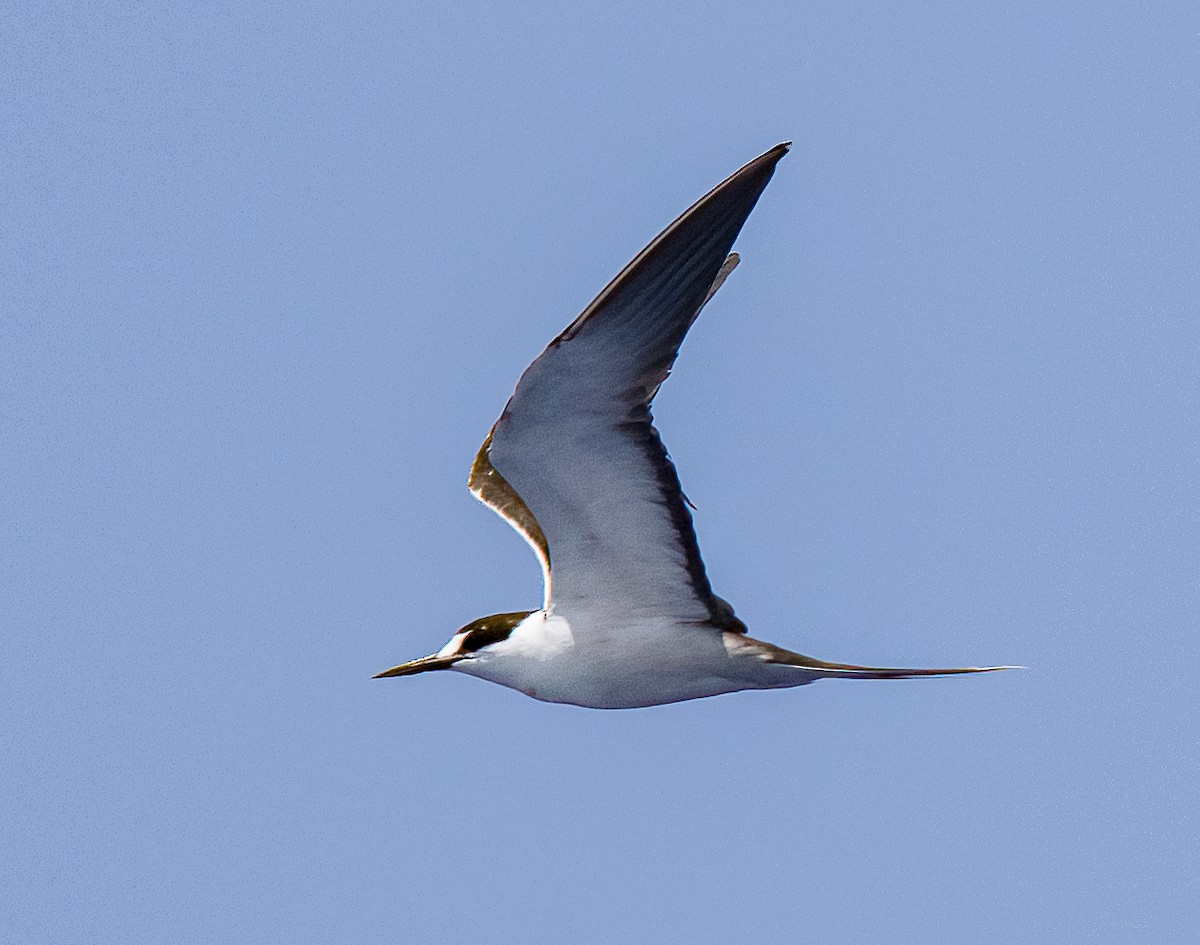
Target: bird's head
x=466 y=642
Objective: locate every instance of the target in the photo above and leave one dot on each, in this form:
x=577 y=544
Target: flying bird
x=576 y=466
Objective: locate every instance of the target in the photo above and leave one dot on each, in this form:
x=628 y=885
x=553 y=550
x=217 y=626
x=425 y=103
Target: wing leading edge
x=575 y=463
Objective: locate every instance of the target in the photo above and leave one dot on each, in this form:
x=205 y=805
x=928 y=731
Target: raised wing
x=575 y=464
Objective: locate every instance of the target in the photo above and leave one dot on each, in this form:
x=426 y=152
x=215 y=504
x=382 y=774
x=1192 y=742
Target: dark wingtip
x=771 y=156
x=775 y=153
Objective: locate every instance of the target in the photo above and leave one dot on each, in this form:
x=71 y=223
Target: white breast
x=635 y=667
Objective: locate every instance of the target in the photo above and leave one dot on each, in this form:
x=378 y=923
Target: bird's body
x=649 y=662
x=547 y=658
x=577 y=468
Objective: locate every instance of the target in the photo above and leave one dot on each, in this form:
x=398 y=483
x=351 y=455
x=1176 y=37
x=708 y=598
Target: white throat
x=526 y=658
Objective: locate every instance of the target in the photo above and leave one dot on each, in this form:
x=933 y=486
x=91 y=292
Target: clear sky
x=268 y=273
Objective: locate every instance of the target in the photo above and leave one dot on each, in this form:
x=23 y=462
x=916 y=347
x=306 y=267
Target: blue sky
x=266 y=278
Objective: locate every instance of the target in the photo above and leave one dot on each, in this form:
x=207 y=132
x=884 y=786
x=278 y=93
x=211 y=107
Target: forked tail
x=817 y=667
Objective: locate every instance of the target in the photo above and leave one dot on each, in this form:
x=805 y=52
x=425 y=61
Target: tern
x=576 y=466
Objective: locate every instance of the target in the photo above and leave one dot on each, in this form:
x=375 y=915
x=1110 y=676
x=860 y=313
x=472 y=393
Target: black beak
x=423 y=665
